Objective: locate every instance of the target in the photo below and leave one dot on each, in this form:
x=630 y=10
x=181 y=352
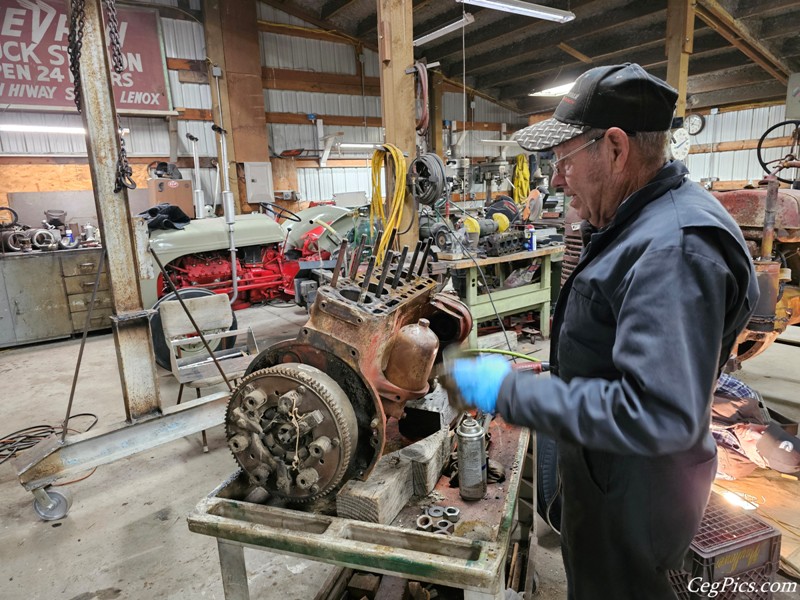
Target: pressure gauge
x=694 y=123
x=679 y=143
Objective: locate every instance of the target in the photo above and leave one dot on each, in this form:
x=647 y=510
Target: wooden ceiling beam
x=719 y=19
x=757 y=92
x=680 y=41
x=727 y=77
x=614 y=45
x=574 y=53
x=710 y=59
x=369 y=26
x=332 y=7
x=314 y=81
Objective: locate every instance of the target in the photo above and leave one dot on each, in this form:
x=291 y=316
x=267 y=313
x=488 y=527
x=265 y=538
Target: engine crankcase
x=293 y=430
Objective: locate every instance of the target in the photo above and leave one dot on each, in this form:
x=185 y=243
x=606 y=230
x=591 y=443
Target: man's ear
x=619 y=147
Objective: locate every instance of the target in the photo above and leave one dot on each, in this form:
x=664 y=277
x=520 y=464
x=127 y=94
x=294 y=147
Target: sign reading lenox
x=34 y=63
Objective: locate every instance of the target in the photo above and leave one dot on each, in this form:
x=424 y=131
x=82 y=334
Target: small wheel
x=63 y=502
x=794 y=153
x=280 y=212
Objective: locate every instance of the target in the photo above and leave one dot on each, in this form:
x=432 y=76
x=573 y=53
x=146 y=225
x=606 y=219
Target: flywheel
x=293 y=430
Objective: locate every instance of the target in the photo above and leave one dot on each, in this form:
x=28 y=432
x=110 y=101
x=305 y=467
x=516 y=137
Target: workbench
x=531 y=296
x=472 y=558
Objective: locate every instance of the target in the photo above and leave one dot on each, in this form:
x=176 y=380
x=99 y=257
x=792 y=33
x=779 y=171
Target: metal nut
x=452 y=513
x=435 y=512
x=424 y=523
x=445 y=526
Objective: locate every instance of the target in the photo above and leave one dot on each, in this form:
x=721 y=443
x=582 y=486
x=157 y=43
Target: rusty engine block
x=311 y=412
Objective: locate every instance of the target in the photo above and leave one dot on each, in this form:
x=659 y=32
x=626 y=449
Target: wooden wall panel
x=53 y=178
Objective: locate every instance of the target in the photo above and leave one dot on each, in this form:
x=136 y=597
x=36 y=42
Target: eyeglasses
x=555 y=164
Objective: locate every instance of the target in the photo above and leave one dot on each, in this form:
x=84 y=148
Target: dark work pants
x=627 y=520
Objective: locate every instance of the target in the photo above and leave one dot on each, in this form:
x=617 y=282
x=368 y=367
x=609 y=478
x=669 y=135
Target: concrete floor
x=126 y=534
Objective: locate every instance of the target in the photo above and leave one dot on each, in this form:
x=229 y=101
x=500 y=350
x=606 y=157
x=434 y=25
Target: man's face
x=582 y=173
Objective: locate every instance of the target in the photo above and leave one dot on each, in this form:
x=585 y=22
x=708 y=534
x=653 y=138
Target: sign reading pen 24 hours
x=34 y=63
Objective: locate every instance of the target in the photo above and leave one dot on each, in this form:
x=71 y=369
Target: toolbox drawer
x=80 y=284
x=80 y=302
x=80 y=262
x=101 y=319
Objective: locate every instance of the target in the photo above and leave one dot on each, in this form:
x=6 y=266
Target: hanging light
x=465 y=20
x=526 y=9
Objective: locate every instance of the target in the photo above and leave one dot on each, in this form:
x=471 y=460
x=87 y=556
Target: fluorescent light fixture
x=465 y=20
x=42 y=129
x=358 y=146
x=518 y=7
x=558 y=90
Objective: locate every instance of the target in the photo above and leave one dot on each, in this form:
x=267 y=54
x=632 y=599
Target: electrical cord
x=501 y=351
x=28 y=437
x=522 y=179
x=376 y=210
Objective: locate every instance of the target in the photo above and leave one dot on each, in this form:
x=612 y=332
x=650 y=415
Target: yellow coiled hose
x=522 y=179
x=376 y=210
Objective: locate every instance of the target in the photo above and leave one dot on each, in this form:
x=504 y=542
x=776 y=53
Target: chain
x=113 y=35
x=124 y=170
x=124 y=176
x=76 y=23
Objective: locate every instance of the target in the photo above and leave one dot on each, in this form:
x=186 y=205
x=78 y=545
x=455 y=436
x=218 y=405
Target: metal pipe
x=399 y=271
x=770 y=208
x=425 y=255
x=386 y=264
x=339 y=261
x=356 y=259
x=410 y=271
x=367 y=277
x=199 y=199
x=86 y=326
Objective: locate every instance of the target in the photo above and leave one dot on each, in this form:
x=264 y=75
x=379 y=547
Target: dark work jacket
x=643 y=326
x=641 y=330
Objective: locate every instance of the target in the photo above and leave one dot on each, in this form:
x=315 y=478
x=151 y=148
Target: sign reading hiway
x=34 y=64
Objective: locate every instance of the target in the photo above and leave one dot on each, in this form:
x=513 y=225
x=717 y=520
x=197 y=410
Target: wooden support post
x=396 y=53
x=231 y=31
x=680 y=40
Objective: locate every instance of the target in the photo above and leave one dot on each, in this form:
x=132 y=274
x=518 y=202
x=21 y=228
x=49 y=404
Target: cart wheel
x=62 y=500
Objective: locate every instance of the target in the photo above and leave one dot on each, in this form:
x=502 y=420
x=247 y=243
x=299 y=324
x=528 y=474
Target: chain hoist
x=124 y=172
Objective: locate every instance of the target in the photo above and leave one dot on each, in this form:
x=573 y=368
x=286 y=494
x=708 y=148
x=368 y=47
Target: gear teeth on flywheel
x=332 y=405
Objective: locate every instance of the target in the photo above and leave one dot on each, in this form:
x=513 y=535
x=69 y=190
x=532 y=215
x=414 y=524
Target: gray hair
x=653 y=145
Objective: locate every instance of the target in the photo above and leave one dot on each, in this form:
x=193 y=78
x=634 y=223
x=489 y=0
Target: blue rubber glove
x=479 y=380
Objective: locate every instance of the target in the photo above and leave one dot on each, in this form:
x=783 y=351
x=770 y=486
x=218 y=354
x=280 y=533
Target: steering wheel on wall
x=280 y=212
x=775 y=137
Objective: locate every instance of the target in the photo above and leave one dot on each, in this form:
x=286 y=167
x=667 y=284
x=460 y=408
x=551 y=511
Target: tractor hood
x=204 y=235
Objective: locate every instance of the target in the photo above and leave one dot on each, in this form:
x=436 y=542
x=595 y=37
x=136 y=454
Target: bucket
x=56 y=215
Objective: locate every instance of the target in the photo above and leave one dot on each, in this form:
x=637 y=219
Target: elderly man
x=641 y=331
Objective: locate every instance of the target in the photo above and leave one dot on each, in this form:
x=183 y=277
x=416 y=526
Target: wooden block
x=392 y=588
x=426 y=458
x=382 y=496
x=363 y=585
x=498 y=340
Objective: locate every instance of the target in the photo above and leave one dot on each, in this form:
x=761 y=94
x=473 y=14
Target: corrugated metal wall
x=729 y=127
x=322 y=184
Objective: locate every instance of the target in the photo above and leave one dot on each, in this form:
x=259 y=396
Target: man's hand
x=477 y=380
